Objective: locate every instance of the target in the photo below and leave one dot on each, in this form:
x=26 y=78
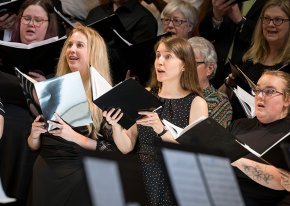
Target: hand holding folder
x=55 y=96
x=128 y=95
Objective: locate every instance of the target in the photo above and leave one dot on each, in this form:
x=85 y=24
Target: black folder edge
x=220 y=142
x=105 y=102
x=130 y=172
x=10 y=7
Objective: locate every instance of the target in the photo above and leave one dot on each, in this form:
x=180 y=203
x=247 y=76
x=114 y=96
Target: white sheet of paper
x=221 y=181
x=185 y=178
x=104 y=182
x=3 y=197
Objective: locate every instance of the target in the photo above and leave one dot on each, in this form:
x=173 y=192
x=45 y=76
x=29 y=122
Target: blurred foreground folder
x=64 y=95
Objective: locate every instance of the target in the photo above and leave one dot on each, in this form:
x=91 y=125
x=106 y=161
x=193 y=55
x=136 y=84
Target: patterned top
x=2 y=112
x=219 y=106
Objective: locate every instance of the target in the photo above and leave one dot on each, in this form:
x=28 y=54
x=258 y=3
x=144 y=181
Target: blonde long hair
x=98 y=58
x=260 y=47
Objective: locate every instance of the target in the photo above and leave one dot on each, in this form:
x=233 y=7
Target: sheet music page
x=247 y=98
x=104 y=182
x=3 y=197
x=186 y=180
x=221 y=181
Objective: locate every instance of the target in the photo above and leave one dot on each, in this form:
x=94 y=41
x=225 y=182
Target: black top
x=244 y=129
x=139 y=23
x=2 y=112
x=227 y=33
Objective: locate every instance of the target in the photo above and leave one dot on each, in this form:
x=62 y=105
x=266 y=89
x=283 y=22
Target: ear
x=209 y=69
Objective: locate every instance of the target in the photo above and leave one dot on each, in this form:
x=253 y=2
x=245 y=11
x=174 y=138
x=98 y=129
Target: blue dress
x=157 y=185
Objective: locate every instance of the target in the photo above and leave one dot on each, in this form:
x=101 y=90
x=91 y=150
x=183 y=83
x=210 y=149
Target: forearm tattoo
x=257 y=173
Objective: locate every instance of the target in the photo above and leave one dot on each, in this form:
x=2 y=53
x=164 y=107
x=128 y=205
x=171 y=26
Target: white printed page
x=185 y=178
x=221 y=181
x=104 y=182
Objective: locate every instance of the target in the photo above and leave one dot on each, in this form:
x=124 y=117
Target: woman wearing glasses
x=260 y=183
x=270 y=46
x=179 y=17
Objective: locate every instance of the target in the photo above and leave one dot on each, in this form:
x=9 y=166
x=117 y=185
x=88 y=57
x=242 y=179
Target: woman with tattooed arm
x=262 y=184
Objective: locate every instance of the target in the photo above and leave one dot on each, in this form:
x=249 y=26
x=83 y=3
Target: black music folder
x=210 y=136
x=39 y=56
x=130 y=97
x=9 y=6
x=55 y=96
x=271 y=152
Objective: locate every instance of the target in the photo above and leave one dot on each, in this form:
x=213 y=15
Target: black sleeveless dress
x=58 y=174
x=157 y=187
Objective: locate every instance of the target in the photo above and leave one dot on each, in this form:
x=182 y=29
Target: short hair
x=207 y=51
x=98 y=58
x=183 y=50
x=260 y=47
x=52 y=29
x=189 y=11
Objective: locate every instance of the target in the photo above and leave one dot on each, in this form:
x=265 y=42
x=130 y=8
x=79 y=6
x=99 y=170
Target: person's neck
x=172 y=91
x=275 y=52
x=118 y=4
x=204 y=84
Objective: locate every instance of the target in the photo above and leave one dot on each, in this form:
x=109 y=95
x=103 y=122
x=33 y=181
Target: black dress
x=157 y=185
x=253 y=193
x=58 y=175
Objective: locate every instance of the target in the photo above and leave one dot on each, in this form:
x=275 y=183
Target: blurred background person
x=219 y=107
x=179 y=17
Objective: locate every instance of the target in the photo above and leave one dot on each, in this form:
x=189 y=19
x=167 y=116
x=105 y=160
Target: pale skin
x=1 y=125
x=7 y=21
x=168 y=69
x=77 y=58
x=268 y=109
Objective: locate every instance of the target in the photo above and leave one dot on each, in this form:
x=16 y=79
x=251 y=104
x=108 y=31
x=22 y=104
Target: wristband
x=163 y=132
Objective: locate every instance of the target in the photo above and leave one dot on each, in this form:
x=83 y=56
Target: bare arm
x=263 y=174
x=37 y=128
x=1 y=125
x=124 y=139
x=198 y=109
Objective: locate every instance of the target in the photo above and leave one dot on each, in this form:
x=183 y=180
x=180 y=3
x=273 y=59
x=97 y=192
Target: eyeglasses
x=267 y=92
x=37 y=21
x=199 y=63
x=276 y=21
x=176 y=22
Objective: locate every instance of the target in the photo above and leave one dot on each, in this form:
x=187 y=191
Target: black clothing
x=58 y=174
x=16 y=159
x=157 y=186
x=224 y=36
x=2 y=111
x=140 y=26
x=255 y=194
x=139 y=23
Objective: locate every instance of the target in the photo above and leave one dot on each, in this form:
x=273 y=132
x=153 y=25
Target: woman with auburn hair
x=175 y=82
x=58 y=177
